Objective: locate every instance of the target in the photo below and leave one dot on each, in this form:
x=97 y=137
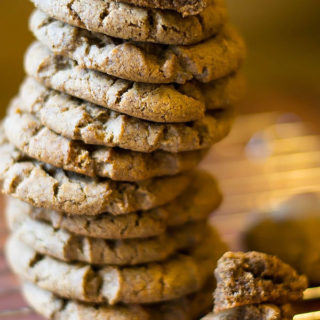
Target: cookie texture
x=212 y=59
x=126 y=21
x=78 y=120
x=253 y=278
x=140 y=224
x=185 y=7
x=54 y=308
x=158 y=103
x=195 y=204
x=254 y=312
x=65 y=246
x=154 y=282
x=45 y=186
x=27 y=133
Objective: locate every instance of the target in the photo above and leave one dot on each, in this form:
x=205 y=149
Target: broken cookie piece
x=254 y=278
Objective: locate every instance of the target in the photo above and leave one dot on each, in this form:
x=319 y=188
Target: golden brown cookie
x=126 y=21
x=69 y=247
x=210 y=60
x=78 y=120
x=195 y=204
x=158 y=103
x=43 y=185
x=149 y=283
x=30 y=136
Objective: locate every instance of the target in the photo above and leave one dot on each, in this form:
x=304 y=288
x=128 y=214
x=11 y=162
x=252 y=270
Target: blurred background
x=283 y=40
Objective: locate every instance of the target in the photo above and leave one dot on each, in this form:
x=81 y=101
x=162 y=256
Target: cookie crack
x=122 y=92
x=104 y=14
x=201 y=22
x=74 y=13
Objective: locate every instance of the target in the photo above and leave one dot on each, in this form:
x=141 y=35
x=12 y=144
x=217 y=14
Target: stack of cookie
x=121 y=102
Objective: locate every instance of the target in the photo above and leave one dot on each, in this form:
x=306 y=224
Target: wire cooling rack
x=267 y=158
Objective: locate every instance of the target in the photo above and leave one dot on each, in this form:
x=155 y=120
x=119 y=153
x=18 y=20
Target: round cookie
x=195 y=204
x=158 y=103
x=185 y=7
x=45 y=186
x=26 y=132
x=141 y=224
x=78 y=120
x=126 y=21
x=149 y=283
x=54 y=308
x=70 y=247
x=212 y=59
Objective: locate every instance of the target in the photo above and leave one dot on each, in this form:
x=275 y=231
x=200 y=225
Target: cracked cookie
x=69 y=247
x=210 y=60
x=254 y=278
x=55 y=308
x=43 y=185
x=153 y=282
x=185 y=7
x=26 y=132
x=126 y=21
x=78 y=120
x=158 y=103
x=200 y=198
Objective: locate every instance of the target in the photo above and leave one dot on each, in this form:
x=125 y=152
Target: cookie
x=195 y=204
x=296 y=221
x=254 y=312
x=52 y=307
x=185 y=8
x=140 y=224
x=148 y=283
x=26 y=132
x=212 y=59
x=126 y=21
x=69 y=247
x=253 y=278
x=79 y=120
x=45 y=186
x=158 y=103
